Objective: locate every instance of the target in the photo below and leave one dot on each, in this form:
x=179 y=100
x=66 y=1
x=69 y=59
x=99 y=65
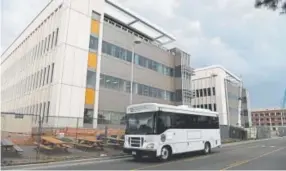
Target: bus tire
x=207 y=148
x=166 y=153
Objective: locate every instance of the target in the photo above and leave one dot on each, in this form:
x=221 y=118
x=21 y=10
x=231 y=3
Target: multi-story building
x=273 y=118
x=217 y=89
x=74 y=61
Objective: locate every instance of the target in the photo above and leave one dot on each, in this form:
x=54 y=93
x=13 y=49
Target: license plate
x=133 y=152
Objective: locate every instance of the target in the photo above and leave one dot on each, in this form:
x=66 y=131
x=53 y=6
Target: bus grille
x=136 y=142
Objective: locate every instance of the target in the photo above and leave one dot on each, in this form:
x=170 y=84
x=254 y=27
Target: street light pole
x=132 y=71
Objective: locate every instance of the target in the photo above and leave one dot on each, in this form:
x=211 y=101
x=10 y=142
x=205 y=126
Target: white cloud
x=232 y=33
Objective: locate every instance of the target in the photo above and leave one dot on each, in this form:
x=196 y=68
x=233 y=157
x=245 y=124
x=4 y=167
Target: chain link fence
x=27 y=132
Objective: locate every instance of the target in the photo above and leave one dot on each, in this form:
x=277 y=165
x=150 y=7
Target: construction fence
x=23 y=127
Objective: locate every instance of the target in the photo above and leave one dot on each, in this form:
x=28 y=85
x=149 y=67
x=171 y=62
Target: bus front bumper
x=142 y=152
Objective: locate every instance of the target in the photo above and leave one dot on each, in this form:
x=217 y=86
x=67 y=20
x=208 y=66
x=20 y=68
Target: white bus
x=158 y=130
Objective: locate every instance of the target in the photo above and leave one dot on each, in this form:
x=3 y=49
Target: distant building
x=217 y=89
x=274 y=117
x=72 y=65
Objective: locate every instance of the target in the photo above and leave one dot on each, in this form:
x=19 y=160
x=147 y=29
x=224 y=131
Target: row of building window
x=267 y=114
x=32 y=82
x=211 y=107
x=140 y=89
x=205 y=92
x=24 y=85
x=126 y=55
x=104 y=117
x=47 y=44
x=43 y=46
x=36 y=110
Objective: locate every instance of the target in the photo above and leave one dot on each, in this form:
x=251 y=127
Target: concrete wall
x=12 y=123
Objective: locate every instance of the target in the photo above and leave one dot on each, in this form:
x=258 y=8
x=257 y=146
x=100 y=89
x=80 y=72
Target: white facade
x=52 y=78
x=44 y=70
x=215 y=76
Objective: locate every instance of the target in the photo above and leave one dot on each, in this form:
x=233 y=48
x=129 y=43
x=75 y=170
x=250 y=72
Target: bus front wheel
x=165 y=153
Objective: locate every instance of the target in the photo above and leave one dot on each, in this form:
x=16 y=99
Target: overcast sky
x=247 y=41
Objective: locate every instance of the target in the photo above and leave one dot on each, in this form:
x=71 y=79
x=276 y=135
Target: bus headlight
x=150 y=146
x=163 y=137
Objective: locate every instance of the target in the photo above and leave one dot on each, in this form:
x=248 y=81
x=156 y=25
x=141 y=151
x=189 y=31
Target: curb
x=250 y=141
x=56 y=162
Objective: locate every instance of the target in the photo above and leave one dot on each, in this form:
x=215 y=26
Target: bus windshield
x=140 y=123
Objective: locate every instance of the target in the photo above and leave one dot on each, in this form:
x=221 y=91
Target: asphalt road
x=262 y=155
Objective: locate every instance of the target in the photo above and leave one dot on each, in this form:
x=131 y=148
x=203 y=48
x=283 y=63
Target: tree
x=272 y=4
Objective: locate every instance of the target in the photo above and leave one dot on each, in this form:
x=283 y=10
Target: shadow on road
x=174 y=158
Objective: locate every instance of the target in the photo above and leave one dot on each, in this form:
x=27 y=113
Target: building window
x=52 y=42
x=209 y=92
x=49 y=42
x=88 y=116
x=214 y=107
x=93 y=43
x=210 y=106
x=201 y=92
x=44 y=76
x=48 y=111
x=205 y=92
x=56 y=37
x=48 y=74
x=52 y=72
x=90 y=79
x=214 y=91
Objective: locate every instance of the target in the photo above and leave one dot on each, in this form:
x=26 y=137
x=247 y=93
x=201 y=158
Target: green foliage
x=272 y=4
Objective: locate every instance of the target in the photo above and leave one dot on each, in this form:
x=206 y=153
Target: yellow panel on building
x=89 y=96
x=95 y=27
x=92 y=60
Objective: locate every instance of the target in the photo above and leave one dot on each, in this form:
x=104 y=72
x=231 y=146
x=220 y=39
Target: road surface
x=261 y=155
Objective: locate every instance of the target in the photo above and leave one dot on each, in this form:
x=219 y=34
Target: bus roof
x=149 y=107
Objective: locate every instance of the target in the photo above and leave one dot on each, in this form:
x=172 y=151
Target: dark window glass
x=48 y=74
x=49 y=42
x=171 y=72
x=206 y=106
x=214 y=91
x=215 y=107
x=202 y=106
x=52 y=43
x=210 y=107
x=52 y=72
x=129 y=55
x=205 y=92
x=90 y=79
x=142 y=61
x=88 y=116
x=201 y=92
x=56 y=37
x=105 y=47
x=197 y=93
x=93 y=43
x=167 y=120
x=209 y=92
x=48 y=111
x=178 y=72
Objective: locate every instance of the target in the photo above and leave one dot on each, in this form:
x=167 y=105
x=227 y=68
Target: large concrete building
x=272 y=117
x=74 y=61
x=217 y=89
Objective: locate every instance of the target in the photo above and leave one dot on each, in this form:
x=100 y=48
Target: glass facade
x=126 y=55
x=119 y=84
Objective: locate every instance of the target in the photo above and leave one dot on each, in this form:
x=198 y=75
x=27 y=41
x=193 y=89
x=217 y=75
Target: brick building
x=269 y=117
